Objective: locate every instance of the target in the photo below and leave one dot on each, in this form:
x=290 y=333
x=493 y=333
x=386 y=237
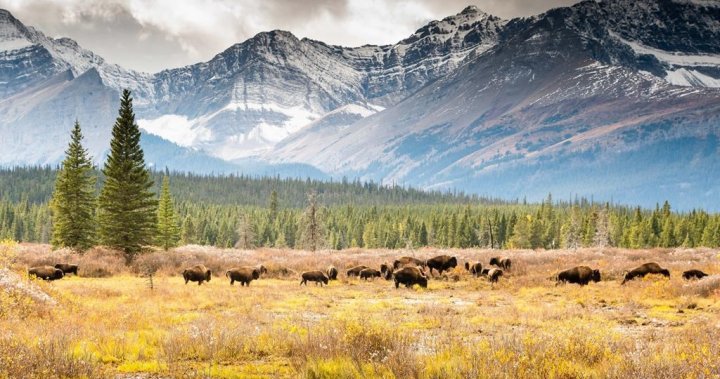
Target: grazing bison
x=332 y=273
x=407 y=261
x=355 y=271
x=199 y=274
x=581 y=275
x=244 y=275
x=441 y=263
x=409 y=276
x=67 y=268
x=693 y=274
x=647 y=268
x=314 y=276
x=475 y=269
x=369 y=273
x=46 y=272
x=494 y=274
x=503 y=263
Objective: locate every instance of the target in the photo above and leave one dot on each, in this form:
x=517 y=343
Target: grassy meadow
x=108 y=322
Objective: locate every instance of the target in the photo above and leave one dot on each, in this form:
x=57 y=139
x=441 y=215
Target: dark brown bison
x=581 y=275
x=384 y=268
x=67 y=268
x=441 y=263
x=647 y=268
x=46 y=272
x=693 y=274
x=409 y=276
x=408 y=261
x=199 y=274
x=494 y=274
x=244 y=275
x=355 y=271
x=314 y=276
x=332 y=273
x=370 y=273
x=503 y=263
x=475 y=269
x=485 y=272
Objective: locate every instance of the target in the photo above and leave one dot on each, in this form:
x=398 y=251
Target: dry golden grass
x=459 y=327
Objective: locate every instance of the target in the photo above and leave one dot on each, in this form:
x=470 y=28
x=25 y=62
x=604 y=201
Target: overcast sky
x=150 y=35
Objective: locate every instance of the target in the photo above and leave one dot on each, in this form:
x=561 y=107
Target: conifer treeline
x=437 y=223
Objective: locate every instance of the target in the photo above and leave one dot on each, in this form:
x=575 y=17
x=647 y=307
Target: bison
x=369 y=273
x=332 y=273
x=46 y=272
x=199 y=274
x=67 y=268
x=503 y=263
x=475 y=269
x=494 y=274
x=314 y=276
x=647 y=268
x=407 y=261
x=441 y=263
x=409 y=276
x=581 y=275
x=244 y=275
x=355 y=271
x=693 y=274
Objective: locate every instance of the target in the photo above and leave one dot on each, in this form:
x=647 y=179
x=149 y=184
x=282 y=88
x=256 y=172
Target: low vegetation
x=107 y=322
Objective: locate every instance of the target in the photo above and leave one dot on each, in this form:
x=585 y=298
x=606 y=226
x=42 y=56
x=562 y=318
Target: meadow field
x=109 y=322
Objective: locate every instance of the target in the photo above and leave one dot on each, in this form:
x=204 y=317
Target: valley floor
x=459 y=327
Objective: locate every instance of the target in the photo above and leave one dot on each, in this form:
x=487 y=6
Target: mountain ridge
x=461 y=100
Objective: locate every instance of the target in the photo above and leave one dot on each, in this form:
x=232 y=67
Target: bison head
x=208 y=275
x=495 y=261
x=422 y=281
x=452 y=262
x=595 y=276
x=665 y=272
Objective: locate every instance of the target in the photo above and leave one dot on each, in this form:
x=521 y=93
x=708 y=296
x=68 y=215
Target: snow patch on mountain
x=175 y=128
x=691 y=78
x=14 y=44
x=669 y=57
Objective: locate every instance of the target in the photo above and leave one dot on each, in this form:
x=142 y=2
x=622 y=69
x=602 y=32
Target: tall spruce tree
x=127 y=204
x=312 y=229
x=168 y=231
x=73 y=202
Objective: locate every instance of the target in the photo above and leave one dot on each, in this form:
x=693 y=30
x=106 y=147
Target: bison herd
x=407 y=271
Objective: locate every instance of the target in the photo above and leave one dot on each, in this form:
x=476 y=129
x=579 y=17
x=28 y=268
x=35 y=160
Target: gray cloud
x=150 y=35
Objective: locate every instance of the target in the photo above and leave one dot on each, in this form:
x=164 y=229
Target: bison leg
x=397 y=284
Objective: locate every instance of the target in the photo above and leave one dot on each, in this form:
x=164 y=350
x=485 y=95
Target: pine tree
x=246 y=234
x=127 y=204
x=273 y=206
x=312 y=236
x=73 y=202
x=168 y=232
x=189 y=234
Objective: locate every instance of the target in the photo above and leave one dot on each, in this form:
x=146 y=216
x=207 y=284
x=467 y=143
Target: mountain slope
x=559 y=90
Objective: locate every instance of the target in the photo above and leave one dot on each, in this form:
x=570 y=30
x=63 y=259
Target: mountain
x=619 y=99
x=579 y=100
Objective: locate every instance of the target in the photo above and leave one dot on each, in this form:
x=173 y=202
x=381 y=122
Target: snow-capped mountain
x=588 y=99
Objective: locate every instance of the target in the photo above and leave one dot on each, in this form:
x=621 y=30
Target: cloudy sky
x=150 y=35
